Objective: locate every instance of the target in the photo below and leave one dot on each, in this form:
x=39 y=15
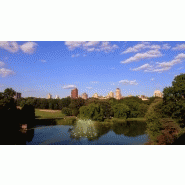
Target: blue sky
x=38 y=68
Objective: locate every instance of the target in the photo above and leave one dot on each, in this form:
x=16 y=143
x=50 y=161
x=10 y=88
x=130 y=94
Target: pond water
x=127 y=133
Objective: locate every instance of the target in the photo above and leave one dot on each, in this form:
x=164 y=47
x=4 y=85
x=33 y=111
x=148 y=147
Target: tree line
x=92 y=108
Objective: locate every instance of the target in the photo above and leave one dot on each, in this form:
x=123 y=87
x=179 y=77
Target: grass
x=129 y=119
x=41 y=113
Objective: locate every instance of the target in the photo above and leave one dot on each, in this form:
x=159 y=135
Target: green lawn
x=129 y=119
x=46 y=114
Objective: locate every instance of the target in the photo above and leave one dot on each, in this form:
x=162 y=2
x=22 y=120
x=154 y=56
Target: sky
x=137 y=68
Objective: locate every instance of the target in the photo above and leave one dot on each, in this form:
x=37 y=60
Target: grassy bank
x=45 y=113
x=129 y=119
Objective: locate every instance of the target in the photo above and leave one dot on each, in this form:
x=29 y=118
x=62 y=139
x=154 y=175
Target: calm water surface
x=130 y=133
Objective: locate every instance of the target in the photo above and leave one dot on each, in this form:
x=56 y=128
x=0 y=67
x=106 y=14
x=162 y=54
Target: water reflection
x=82 y=132
x=131 y=129
x=94 y=130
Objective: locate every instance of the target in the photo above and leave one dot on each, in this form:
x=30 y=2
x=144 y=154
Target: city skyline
x=137 y=68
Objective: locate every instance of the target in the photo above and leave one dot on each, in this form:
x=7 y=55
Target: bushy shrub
x=169 y=133
x=67 y=111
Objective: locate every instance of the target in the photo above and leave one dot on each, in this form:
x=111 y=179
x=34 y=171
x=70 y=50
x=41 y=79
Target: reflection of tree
x=9 y=137
x=131 y=129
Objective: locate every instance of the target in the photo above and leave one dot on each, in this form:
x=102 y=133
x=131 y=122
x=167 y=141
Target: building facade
x=110 y=95
x=84 y=96
x=95 y=95
x=17 y=95
x=49 y=96
x=74 y=93
x=118 y=94
x=158 y=93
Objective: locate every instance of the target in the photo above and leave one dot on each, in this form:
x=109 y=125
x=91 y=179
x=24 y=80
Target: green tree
x=9 y=93
x=142 y=109
x=92 y=111
x=174 y=99
x=121 y=111
x=75 y=105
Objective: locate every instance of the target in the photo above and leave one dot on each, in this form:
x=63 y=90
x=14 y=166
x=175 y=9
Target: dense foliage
x=174 y=99
x=121 y=111
x=92 y=111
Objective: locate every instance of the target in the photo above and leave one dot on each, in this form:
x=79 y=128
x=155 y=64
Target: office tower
x=118 y=94
x=17 y=95
x=49 y=96
x=84 y=96
x=74 y=93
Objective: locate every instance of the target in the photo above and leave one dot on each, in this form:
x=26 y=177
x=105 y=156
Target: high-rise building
x=118 y=94
x=158 y=93
x=49 y=96
x=74 y=93
x=57 y=97
x=95 y=95
x=110 y=95
x=84 y=96
x=17 y=95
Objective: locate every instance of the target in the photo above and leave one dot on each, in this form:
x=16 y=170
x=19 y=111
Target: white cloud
x=152 y=79
x=6 y=72
x=106 y=47
x=91 y=43
x=179 y=47
x=89 y=87
x=127 y=82
x=69 y=87
x=161 y=66
x=10 y=46
x=91 y=46
x=2 y=64
x=146 y=55
x=29 y=47
x=180 y=56
x=76 y=55
x=74 y=44
x=139 y=47
x=145 y=66
x=166 y=46
x=94 y=82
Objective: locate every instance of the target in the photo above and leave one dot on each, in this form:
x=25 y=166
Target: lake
x=127 y=133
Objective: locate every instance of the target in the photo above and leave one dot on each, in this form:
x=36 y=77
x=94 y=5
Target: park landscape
x=148 y=107
x=159 y=120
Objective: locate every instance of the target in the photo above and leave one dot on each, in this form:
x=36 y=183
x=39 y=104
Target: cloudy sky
x=39 y=68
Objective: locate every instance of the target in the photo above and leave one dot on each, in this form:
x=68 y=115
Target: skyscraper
x=17 y=95
x=49 y=96
x=74 y=93
x=118 y=94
